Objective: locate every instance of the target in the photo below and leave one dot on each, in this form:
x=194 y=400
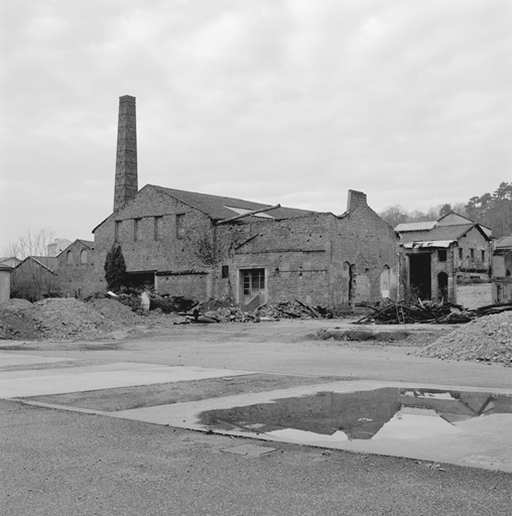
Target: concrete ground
x=67 y=446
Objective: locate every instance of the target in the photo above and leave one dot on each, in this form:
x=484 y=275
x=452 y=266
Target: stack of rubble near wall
x=427 y=313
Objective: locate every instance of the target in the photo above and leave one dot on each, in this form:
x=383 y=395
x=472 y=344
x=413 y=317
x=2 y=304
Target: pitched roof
x=504 y=242
x=415 y=226
x=440 y=233
x=48 y=262
x=218 y=207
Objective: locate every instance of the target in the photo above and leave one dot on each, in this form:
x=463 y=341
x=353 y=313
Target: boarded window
x=136 y=230
x=83 y=257
x=157 y=228
x=117 y=231
x=180 y=225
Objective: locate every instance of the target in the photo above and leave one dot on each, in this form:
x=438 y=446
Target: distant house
x=446 y=259
x=9 y=261
x=502 y=270
x=34 y=278
x=57 y=246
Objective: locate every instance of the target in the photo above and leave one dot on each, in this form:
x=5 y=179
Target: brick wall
x=76 y=271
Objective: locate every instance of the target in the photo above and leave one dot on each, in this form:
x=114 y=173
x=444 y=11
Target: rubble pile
x=266 y=312
x=62 y=319
x=485 y=339
x=421 y=312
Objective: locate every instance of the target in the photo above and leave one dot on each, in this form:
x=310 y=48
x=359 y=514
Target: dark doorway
x=442 y=286
x=419 y=276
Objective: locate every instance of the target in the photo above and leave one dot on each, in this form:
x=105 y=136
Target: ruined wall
x=368 y=245
x=76 y=274
x=293 y=252
x=320 y=259
x=473 y=258
x=474 y=295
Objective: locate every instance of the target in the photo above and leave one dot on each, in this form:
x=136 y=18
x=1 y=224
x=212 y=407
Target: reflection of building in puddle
x=382 y=413
x=411 y=422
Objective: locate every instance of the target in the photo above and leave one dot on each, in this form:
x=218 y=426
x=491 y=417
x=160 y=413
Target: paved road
x=67 y=463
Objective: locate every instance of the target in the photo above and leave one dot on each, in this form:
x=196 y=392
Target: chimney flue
x=126 y=160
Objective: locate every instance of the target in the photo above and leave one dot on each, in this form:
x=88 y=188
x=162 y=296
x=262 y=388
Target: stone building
x=446 y=259
x=205 y=246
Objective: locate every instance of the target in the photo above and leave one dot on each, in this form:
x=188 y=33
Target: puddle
x=381 y=414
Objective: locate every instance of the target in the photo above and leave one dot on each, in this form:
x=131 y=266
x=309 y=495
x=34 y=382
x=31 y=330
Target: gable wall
x=76 y=279
x=172 y=251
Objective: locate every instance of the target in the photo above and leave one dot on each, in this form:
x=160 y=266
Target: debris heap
x=266 y=312
x=421 y=312
x=62 y=319
x=485 y=339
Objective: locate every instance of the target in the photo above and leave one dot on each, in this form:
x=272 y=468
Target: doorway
x=420 y=275
x=253 y=288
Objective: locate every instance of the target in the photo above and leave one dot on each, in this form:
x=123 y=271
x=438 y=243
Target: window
x=460 y=253
x=180 y=225
x=483 y=256
x=441 y=255
x=157 y=228
x=136 y=229
x=69 y=258
x=225 y=271
x=253 y=280
x=117 y=230
x=83 y=257
x=472 y=254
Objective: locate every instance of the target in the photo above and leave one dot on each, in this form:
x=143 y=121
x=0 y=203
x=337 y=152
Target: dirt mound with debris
x=62 y=319
x=487 y=339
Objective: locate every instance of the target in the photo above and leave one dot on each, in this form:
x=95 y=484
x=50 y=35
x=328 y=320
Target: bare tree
x=31 y=243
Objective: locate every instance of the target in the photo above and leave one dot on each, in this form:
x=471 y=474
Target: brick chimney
x=356 y=200
x=126 y=160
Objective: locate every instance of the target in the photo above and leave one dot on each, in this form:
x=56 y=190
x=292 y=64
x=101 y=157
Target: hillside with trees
x=493 y=210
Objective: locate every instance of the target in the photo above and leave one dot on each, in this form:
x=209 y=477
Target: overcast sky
x=277 y=101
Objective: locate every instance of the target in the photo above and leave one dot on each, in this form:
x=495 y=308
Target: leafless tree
x=31 y=243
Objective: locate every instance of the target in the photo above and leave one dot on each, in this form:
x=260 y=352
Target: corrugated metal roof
x=440 y=233
x=436 y=243
x=416 y=226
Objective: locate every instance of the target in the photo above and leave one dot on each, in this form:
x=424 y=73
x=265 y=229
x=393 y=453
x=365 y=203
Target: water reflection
x=387 y=413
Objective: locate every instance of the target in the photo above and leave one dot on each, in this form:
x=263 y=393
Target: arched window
x=83 y=257
x=69 y=258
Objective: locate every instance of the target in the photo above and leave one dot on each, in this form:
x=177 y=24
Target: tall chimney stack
x=126 y=160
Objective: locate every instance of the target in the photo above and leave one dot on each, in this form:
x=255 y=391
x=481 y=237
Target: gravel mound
x=487 y=339
x=63 y=319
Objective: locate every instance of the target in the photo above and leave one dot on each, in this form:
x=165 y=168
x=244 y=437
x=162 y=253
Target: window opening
x=441 y=255
x=180 y=225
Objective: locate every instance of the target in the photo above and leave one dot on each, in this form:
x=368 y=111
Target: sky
x=276 y=101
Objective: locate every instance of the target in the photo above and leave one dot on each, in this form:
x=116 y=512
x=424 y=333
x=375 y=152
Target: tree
x=445 y=209
x=115 y=268
x=31 y=243
x=394 y=215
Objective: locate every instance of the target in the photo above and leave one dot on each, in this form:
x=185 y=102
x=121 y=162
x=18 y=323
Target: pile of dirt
x=62 y=319
x=487 y=339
